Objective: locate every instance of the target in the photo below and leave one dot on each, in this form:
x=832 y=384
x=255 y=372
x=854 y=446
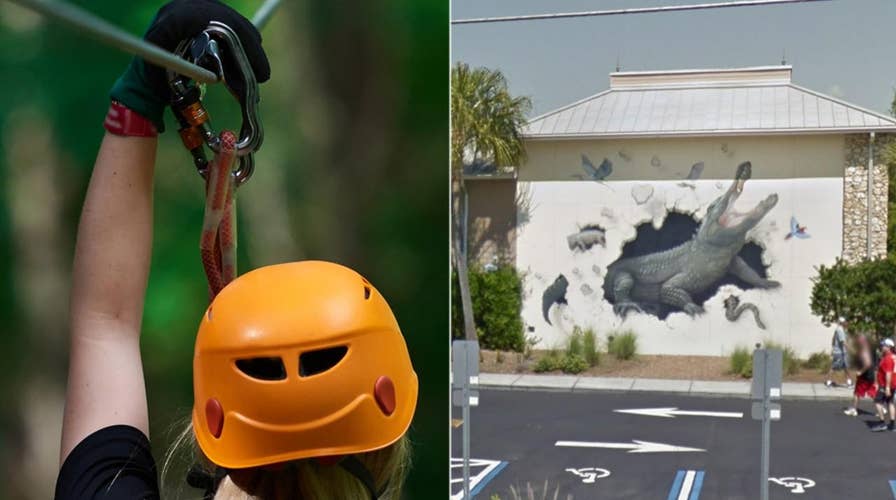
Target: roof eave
x=491 y=177
x=713 y=133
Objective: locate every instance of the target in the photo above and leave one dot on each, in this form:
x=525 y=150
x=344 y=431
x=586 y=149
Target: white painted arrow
x=672 y=412
x=636 y=447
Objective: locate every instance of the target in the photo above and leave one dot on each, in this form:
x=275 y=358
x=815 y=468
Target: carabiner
x=206 y=50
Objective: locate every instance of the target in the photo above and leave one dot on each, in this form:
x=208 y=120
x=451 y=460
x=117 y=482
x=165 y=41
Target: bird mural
x=796 y=230
x=693 y=175
x=696 y=171
x=593 y=173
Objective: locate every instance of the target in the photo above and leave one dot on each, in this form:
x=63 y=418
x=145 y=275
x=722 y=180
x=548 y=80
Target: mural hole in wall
x=678 y=228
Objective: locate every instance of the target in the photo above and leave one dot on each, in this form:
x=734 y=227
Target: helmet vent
x=321 y=360
x=262 y=368
x=366 y=292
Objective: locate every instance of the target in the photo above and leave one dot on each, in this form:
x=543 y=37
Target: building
x=633 y=171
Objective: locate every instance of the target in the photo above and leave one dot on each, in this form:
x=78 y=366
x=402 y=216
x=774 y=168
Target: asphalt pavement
x=704 y=450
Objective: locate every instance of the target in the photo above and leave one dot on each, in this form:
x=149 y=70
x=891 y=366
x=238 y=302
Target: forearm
x=112 y=255
x=114 y=243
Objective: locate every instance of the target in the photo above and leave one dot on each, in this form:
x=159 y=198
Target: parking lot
x=693 y=448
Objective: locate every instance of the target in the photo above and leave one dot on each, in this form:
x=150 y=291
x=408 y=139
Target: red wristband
x=125 y=121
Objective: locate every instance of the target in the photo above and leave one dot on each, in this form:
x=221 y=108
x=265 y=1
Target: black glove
x=144 y=86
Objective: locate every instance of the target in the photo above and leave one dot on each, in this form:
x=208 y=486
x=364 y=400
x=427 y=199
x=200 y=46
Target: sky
x=843 y=48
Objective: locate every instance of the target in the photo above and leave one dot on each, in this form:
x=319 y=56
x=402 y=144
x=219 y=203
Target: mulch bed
x=643 y=366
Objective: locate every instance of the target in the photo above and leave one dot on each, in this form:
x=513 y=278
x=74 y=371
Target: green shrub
x=791 y=362
x=574 y=344
x=589 y=347
x=573 y=364
x=820 y=361
x=548 y=363
x=741 y=362
x=497 y=301
x=623 y=345
x=530 y=493
x=567 y=363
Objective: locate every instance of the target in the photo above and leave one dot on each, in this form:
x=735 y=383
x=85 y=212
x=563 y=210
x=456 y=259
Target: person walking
x=886 y=383
x=839 y=353
x=865 y=362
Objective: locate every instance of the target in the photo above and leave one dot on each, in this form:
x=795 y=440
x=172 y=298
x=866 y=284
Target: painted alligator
x=673 y=276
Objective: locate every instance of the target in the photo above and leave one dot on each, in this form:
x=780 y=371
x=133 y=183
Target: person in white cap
x=886 y=384
x=839 y=354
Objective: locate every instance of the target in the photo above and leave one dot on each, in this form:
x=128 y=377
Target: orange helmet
x=299 y=360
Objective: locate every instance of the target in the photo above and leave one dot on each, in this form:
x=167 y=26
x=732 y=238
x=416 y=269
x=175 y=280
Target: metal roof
x=743 y=101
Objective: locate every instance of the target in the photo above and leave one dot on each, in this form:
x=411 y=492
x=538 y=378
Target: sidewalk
x=574 y=383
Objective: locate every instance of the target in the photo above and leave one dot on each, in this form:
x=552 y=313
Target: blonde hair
x=301 y=479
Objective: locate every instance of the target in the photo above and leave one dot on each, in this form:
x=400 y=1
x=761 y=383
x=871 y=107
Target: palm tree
x=486 y=126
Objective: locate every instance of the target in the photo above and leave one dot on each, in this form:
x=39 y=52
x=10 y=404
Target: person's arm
x=112 y=255
x=105 y=383
x=887 y=367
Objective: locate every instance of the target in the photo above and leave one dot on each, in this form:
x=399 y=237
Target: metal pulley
x=216 y=44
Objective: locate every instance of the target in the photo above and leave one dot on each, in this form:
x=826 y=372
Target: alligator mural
x=672 y=277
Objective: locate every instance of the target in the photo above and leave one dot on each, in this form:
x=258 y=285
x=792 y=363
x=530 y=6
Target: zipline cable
x=264 y=13
x=638 y=10
x=109 y=34
x=112 y=35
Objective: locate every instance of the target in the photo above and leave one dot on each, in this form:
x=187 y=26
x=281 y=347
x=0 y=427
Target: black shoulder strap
x=200 y=478
x=354 y=467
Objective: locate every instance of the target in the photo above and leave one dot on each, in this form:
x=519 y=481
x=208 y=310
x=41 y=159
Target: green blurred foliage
x=820 y=361
x=497 y=298
x=354 y=169
x=863 y=293
x=622 y=344
x=740 y=362
x=791 y=363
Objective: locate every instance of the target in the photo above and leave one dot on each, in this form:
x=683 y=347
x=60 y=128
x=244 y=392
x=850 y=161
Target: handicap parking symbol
x=797 y=485
x=590 y=474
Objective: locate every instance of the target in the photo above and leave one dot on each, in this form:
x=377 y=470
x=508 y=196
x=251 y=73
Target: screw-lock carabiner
x=207 y=51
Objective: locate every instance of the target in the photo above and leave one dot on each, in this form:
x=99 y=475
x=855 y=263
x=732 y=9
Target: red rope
x=217 y=245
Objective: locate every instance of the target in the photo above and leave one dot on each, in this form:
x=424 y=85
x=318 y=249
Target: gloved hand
x=144 y=86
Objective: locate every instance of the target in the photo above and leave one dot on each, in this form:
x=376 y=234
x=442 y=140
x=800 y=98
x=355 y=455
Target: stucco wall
x=491 y=225
x=776 y=157
x=645 y=184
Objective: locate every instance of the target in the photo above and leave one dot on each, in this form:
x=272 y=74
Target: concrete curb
x=709 y=388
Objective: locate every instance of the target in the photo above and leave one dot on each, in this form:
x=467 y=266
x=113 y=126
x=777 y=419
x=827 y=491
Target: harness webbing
x=217 y=245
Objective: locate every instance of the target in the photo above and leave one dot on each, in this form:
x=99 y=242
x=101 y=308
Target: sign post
x=767 y=375
x=465 y=378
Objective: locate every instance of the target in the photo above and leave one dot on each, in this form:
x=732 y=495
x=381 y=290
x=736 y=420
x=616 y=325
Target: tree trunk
x=460 y=257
